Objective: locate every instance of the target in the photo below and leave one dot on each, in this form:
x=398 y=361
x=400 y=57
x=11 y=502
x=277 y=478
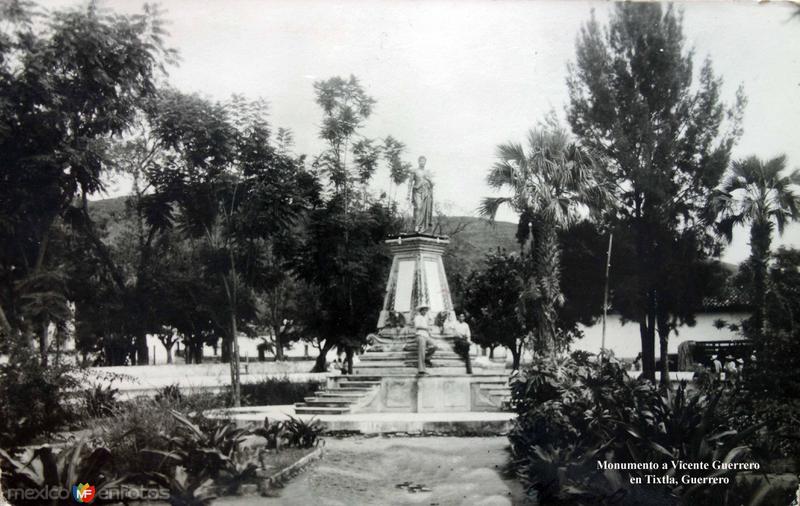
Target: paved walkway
x=439 y=471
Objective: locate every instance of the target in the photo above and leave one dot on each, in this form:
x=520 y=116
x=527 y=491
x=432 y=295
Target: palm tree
x=552 y=184
x=756 y=193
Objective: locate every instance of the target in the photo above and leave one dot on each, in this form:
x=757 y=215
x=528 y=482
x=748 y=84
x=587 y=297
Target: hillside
x=472 y=240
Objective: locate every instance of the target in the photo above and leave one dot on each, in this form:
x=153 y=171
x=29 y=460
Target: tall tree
x=343 y=256
x=236 y=193
x=759 y=194
x=492 y=300
x=67 y=85
x=551 y=184
x=664 y=139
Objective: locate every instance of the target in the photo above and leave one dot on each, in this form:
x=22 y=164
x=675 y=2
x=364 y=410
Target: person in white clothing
x=463 y=340
x=425 y=347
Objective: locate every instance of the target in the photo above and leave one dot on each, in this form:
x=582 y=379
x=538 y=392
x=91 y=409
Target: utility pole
x=605 y=297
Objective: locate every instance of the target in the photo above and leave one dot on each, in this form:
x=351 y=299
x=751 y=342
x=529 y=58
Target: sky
x=452 y=79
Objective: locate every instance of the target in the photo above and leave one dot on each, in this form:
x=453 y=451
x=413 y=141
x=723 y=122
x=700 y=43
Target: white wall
x=625 y=342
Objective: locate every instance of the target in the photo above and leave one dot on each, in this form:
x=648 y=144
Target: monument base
x=386 y=380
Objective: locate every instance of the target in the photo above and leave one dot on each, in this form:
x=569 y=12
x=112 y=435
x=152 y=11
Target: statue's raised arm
x=421 y=186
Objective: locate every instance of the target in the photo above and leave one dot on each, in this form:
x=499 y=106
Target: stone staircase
x=347 y=392
x=393 y=359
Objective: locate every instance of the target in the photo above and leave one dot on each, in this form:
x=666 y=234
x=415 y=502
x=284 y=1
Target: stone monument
x=386 y=377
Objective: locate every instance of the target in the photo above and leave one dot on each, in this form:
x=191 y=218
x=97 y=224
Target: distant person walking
x=463 y=340
x=425 y=347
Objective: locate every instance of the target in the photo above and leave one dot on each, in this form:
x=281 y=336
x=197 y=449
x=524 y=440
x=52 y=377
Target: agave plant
x=275 y=433
x=301 y=433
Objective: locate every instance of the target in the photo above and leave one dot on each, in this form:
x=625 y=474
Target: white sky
x=454 y=79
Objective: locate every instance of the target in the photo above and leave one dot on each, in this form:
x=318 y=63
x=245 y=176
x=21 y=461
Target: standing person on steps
x=425 y=346
x=463 y=340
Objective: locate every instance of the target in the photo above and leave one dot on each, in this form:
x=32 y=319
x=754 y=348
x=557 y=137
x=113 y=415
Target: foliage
x=551 y=183
x=666 y=143
x=61 y=470
x=135 y=426
x=276 y=391
x=237 y=194
x=184 y=489
x=492 y=302
x=574 y=412
x=100 y=400
x=346 y=265
x=759 y=194
x=301 y=433
x=34 y=399
x=68 y=82
x=170 y=394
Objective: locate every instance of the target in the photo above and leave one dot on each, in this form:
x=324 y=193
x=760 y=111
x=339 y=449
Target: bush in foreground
x=574 y=414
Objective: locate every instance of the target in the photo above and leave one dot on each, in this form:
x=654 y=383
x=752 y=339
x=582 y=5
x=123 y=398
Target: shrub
x=99 y=401
x=573 y=413
x=302 y=434
x=134 y=426
x=34 y=400
x=60 y=470
x=276 y=391
x=169 y=393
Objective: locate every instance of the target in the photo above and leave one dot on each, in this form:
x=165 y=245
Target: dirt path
x=439 y=471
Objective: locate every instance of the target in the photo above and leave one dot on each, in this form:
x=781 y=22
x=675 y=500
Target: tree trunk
x=278 y=344
x=169 y=354
x=515 y=355
x=235 y=379
x=43 y=344
x=142 y=353
x=348 y=354
x=760 y=239
x=320 y=364
x=663 y=350
x=647 y=334
x=225 y=350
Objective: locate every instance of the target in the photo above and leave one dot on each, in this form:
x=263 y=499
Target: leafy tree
x=67 y=85
x=342 y=256
x=665 y=145
x=492 y=300
x=551 y=183
x=758 y=194
x=236 y=193
x=783 y=291
x=348 y=279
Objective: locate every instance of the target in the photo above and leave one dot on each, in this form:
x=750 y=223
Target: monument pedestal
x=417 y=277
x=386 y=377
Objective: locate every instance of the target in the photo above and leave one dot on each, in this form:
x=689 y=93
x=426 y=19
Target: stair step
x=349 y=389
x=340 y=395
x=319 y=410
x=359 y=384
x=329 y=401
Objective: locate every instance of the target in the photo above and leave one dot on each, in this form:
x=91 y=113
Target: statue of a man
x=420 y=189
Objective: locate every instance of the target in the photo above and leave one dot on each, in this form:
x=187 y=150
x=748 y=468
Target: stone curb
x=267 y=483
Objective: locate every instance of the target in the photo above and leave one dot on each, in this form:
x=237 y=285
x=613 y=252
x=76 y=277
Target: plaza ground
x=439 y=471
